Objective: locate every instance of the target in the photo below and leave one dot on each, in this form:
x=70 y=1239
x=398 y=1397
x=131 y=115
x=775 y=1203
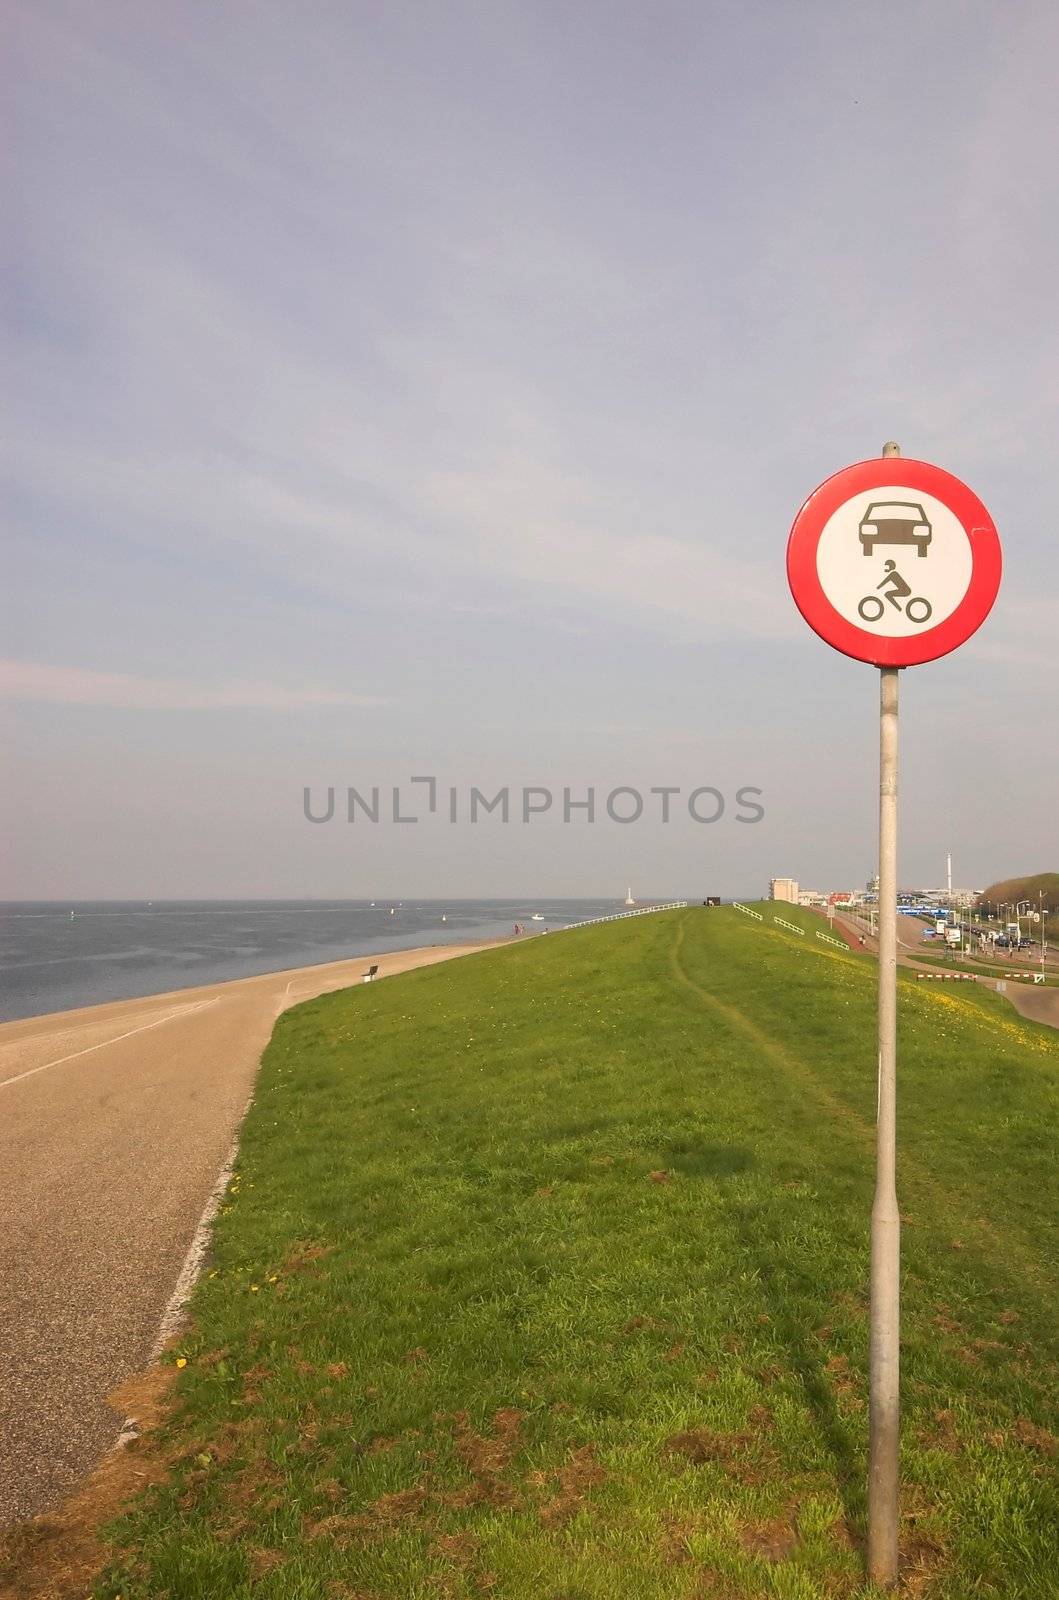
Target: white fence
x=791 y=927
x=948 y=977
x=619 y=916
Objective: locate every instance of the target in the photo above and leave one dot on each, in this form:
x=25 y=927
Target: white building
x=953 y=897
x=784 y=889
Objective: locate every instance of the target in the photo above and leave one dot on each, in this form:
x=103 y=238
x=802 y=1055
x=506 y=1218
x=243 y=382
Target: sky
x=402 y=390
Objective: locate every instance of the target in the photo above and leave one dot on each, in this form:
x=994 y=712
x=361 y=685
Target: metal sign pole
x=831 y=560
x=884 y=1359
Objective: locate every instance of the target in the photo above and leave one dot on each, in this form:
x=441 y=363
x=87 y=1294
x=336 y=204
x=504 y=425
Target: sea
x=56 y=957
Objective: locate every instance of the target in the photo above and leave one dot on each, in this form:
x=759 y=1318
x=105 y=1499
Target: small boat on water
x=537 y=917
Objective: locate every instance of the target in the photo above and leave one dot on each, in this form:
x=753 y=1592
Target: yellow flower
x=181 y=1361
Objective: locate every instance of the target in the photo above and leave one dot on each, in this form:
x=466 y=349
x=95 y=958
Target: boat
x=537 y=916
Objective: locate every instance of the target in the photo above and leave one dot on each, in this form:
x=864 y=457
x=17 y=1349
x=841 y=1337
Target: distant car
x=895 y=522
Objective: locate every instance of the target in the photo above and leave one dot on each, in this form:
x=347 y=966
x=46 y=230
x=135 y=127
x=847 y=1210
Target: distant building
x=784 y=889
x=810 y=897
x=954 y=897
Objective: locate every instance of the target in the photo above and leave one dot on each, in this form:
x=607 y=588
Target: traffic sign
x=894 y=562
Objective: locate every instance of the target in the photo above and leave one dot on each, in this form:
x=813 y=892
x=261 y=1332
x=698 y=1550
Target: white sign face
x=894 y=561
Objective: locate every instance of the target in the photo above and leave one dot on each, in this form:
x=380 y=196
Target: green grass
x=543 y=1276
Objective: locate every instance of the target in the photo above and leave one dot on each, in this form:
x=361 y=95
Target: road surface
x=1038 y=1004
x=114 y=1124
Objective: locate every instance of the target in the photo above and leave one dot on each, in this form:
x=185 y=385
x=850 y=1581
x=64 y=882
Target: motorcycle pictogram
x=900 y=596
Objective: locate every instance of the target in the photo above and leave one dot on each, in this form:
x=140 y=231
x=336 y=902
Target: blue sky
x=405 y=389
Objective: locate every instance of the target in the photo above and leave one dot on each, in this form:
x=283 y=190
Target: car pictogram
x=895 y=522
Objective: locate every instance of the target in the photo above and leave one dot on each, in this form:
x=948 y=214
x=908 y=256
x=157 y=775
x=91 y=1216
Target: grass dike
x=543 y=1274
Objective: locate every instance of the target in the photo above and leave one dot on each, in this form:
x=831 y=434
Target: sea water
x=54 y=957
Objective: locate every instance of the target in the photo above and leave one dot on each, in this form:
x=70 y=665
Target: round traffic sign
x=894 y=562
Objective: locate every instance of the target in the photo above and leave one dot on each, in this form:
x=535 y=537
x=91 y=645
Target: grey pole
x=884 y=1419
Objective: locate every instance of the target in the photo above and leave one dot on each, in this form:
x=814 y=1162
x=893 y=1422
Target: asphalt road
x=1037 y=1004
x=114 y=1124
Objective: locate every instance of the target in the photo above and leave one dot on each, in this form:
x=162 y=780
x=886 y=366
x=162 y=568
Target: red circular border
x=883 y=473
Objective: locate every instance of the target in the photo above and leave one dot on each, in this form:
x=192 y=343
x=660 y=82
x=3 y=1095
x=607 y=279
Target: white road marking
x=184 y=1011
x=173 y=1315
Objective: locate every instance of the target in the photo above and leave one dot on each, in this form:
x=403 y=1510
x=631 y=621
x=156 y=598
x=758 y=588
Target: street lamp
x=1002 y=927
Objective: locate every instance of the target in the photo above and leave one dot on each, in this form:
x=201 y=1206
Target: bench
x=371 y=972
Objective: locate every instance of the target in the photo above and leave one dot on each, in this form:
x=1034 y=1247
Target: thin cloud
x=535 y=525
x=38 y=682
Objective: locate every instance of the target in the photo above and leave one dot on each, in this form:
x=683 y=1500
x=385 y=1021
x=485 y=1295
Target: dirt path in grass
x=1006 y=1257
x=114 y=1124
